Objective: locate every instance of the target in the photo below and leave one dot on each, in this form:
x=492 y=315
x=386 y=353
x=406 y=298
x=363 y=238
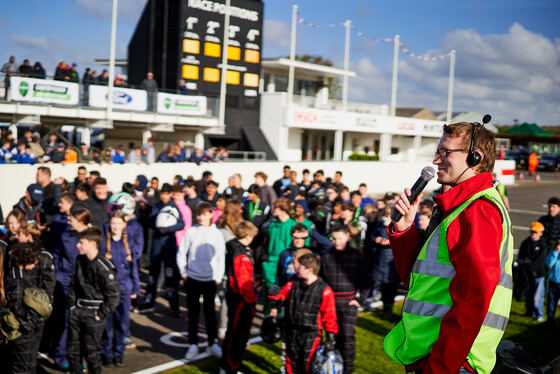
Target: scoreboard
x=202 y=46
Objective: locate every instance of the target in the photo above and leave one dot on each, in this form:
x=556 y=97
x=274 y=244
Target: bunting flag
x=403 y=48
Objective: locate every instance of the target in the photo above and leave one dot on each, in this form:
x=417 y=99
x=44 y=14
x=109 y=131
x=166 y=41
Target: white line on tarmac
x=527 y=211
x=176 y=363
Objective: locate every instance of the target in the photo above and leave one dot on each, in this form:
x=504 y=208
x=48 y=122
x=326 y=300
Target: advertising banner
x=44 y=91
x=123 y=98
x=181 y=104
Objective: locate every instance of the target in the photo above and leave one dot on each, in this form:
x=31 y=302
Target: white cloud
x=276 y=34
x=511 y=75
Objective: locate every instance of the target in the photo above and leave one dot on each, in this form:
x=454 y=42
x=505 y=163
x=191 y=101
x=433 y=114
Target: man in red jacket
x=475 y=262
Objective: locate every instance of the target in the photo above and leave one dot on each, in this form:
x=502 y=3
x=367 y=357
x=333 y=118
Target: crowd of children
x=310 y=250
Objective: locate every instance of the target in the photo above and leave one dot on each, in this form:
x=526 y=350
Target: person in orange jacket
x=533 y=163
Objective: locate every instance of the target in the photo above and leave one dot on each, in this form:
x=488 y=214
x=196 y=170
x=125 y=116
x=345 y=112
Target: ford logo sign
x=121 y=98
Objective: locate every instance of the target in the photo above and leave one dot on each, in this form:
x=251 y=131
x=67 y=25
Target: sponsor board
x=123 y=98
x=358 y=122
x=44 y=91
x=181 y=104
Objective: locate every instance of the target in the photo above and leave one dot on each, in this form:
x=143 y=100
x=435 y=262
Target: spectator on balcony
x=221 y=154
x=27 y=135
x=62 y=72
x=149 y=146
x=5 y=154
x=167 y=155
x=73 y=73
x=36 y=148
x=96 y=155
x=86 y=78
x=39 y=71
x=106 y=156
x=25 y=70
x=198 y=156
x=182 y=151
x=150 y=85
x=118 y=155
x=51 y=143
x=135 y=155
x=84 y=155
x=59 y=154
x=10 y=67
x=70 y=156
x=26 y=157
x=119 y=81
x=183 y=90
x=103 y=79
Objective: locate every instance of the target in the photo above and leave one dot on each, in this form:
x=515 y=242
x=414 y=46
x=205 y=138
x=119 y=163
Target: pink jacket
x=187 y=218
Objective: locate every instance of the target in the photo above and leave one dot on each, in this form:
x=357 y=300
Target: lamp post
x=223 y=82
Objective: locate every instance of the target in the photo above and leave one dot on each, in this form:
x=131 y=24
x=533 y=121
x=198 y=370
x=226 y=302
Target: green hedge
x=363 y=157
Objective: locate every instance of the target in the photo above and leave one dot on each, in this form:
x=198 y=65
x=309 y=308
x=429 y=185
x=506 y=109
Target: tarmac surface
x=160 y=338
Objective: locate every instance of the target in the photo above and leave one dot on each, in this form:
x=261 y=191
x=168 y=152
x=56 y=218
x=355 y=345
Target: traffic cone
x=538 y=178
x=521 y=177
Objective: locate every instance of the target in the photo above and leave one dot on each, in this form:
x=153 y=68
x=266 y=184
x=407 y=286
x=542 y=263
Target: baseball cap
x=74 y=64
x=36 y=192
x=537 y=227
x=61 y=145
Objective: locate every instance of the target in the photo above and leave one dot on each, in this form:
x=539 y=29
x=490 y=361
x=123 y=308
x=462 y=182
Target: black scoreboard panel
x=202 y=46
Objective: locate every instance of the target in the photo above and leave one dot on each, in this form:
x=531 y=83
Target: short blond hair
x=245 y=228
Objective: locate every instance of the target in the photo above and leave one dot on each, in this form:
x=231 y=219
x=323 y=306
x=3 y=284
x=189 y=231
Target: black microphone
x=486 y=118
x=428 y=173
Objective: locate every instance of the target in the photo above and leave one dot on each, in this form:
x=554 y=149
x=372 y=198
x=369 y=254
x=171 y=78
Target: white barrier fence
x=380 y=177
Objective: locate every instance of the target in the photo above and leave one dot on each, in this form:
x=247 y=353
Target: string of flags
x=403 y=48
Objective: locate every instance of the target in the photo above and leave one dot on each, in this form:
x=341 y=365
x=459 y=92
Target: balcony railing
x=125 y=97
x=336 y=104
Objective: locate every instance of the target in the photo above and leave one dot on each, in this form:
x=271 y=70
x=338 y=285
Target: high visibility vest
x=429 y=300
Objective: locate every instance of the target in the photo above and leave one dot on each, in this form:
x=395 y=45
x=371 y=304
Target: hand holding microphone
x=404 y=209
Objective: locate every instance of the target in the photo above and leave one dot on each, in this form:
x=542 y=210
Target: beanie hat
x=537 y=227
x=303 y=204
x=142 y=182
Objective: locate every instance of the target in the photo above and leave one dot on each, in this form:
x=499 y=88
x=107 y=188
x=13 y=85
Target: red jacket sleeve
x=404 y=246
x=243 y=273
x=474 y=249
x=327 y=316
x=283 y=295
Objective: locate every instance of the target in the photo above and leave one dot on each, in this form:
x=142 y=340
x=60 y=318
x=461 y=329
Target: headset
x=474 y=158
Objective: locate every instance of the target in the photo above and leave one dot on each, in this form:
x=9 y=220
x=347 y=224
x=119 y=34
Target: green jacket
x=279 y=238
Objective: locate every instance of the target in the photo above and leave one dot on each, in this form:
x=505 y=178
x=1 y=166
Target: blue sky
x=508 y=52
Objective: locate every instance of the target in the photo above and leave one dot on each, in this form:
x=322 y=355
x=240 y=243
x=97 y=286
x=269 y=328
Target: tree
x=335 y=90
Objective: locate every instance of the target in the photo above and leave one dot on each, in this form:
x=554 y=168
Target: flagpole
x=396 y=41
x=347 y=25
x=292 y=56
x=451 y=83
x=223 y=82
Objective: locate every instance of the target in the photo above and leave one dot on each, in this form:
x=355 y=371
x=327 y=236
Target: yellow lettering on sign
x=252 y=56
x=234 y=53
x=251 y=80
x=212 y=49
x=233 y=77
x=191 y=46
x=190 y=72
x=211 y=75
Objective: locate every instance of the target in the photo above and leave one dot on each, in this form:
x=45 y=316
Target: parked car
x=549 y=162
x=520 y=156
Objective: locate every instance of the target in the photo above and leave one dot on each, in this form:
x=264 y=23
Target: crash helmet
x=270 y=330
x=327 y=362
x=168 y=216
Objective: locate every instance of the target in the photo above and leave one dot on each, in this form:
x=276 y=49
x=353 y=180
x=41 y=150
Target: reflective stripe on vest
x=429 y=300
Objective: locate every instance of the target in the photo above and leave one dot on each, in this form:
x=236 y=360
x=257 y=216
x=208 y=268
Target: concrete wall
x=379 y=176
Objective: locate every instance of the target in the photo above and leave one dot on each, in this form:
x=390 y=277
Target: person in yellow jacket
x=459 y=280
